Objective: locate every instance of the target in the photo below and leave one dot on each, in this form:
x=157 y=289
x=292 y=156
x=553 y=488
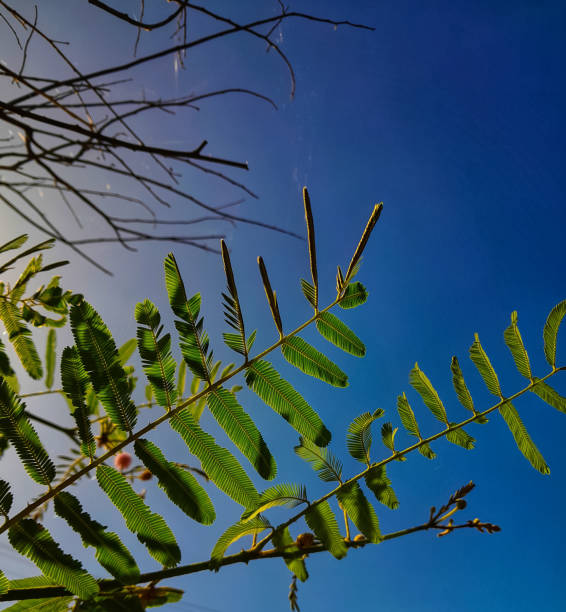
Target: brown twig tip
x=374 y=217
x=312 y=248
x=228 y=269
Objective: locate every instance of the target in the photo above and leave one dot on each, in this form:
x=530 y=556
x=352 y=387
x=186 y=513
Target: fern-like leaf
x=514 y=342
x=181 y=379
x=34 y=542
x=57 y=604
x=4 y=583
x=357 y=507
x=378 y=482
x=322 y=521
x=74 y=381
x=20 y=337
x=155 y=352
x=194 y=340
x=322 y=460
x=483 y=364
x=549 y=395
x=354 y=295
x=309 y=292
x=271 y=296
x=288 y=495
x=5 y=367
x=461 y=438
x=293 y=558
x=550 y=331
x=234 y=533
x=101 y=361
x=110 y=552
x=6 y=498
x=180 y=486
x=462 y=391
x=241 y=430
x=312 y=362
x=14 y=243
x=150 y=528
x=15 y=426
x=422 y=385
x=358 y=437
x=409 y=422
x=354 y=262
x=335 y=331
x=218 y=463
x=522 y=438
x=388 y=433
x=277 y=393
x=50 y=358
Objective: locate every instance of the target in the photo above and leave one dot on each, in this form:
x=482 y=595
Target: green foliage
x=110 y=552
x=409 y=422
x=101 y=361
x=180 y=486
x=277 y=393
x=306 y=358
x=358 y=437
x=20 y=337
x=57 y=604
x=6 y=498
x=514 y=342
x=50 y=358
x=352 y=499
x=549 y=395
x=331 y=328
x=283 y=542
x=550 y=331
x=289 y=495
x=377 y=481
x=218 y=463
x=252 y=527
x=15 y=425
x=322 y=521
x=155 y=352
x=150 y=528
x=241 y=430
x=322 y=460
x=422 y=385
x=354 y=295
x=35 y=542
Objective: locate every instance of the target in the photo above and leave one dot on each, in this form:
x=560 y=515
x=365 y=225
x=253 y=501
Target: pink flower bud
x=122 y=461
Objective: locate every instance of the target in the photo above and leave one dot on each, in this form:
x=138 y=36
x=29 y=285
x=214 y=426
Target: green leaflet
x=101 y=361
x=126 y=351
x=388 y=437
x=309 y=292
x=549 y=395
x=241 y=430
x=460 y=437
x=4 y=582
x=41 y=246
x=271 y=296
x=514 y=342
x=34 y=542
x=150 y=528
x=15 y=243
x=322 y=521
x=283 y=542
x=56 y=604
x=6 y=497
x=355 y=295
x=482 y=363
x=550 y=331
x=115 y=602
x=322 y=460
x=522 y=438
x=15 y=425
x=50 y=358
x=422 y=385
x=311 y=242
x=233 y=311
x=234 y=533
x=110 y=552
x=5 y=367
x=155 y=352
x=181 y=380
x=409 y=422
x=310 y=361
x=277 y=393
x=218 y=463
x=335 y=331
x=358 y=437
x=289 y=495
x=180 y=486
x=74 y=381
x=19 y=336
x=378 y=482
x=194 y=341
x=462 y=390
x=352 y=499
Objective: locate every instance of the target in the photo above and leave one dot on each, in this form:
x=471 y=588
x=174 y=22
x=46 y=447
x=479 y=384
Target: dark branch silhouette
x=71 y=135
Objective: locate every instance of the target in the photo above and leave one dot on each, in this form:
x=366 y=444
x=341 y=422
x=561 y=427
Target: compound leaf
x=312 y=362
x=337 y=332
x=322 y=521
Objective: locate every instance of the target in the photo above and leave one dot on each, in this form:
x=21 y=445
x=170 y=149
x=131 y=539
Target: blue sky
x=451 y=113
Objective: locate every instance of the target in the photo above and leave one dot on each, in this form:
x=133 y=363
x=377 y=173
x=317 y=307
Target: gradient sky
x=452 y=114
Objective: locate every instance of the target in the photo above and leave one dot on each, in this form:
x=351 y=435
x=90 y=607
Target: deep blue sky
x=451 y=113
